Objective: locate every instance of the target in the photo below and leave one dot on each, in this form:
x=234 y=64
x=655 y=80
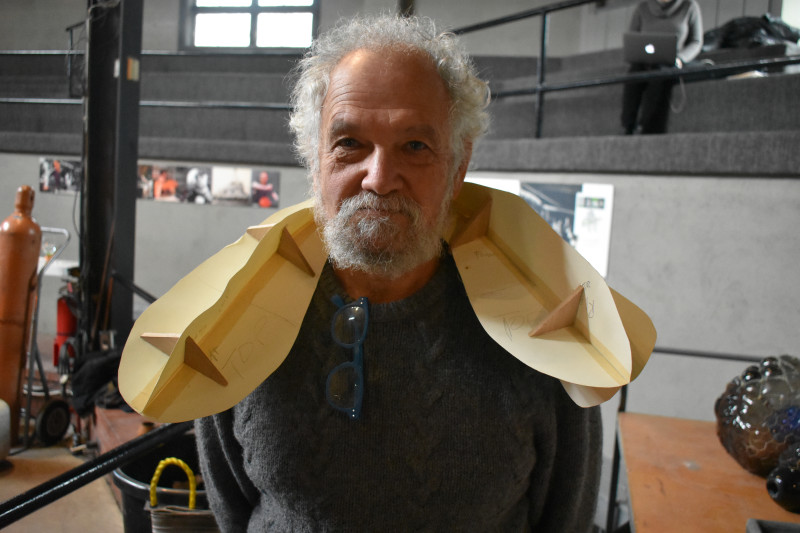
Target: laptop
x=650 y=48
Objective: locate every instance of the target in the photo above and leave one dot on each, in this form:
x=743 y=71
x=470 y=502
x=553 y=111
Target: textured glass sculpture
x=758 y=415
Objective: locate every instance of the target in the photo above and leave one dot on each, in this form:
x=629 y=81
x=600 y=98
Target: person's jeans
x=645 y=105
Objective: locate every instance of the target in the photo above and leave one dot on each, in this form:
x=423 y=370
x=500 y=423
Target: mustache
x=391 y=204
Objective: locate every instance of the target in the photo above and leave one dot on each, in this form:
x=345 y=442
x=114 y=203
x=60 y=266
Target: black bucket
x=133 y=480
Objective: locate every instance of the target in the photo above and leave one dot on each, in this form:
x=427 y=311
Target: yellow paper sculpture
x=225 y=327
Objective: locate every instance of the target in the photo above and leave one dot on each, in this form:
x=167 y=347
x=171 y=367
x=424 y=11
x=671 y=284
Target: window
x=249 y=24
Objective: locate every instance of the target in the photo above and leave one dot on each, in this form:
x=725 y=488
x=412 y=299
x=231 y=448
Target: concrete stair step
x=34 y=86
x=214 y=86
x=761 y=154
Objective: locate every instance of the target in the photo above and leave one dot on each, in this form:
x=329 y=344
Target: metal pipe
x=709 y=355
x=699 y=73
x=160 y=103
x=693 y=73
x=522 y=15
x=540 y=74
x=611 y=514
x=34 y=499
x=135 y=289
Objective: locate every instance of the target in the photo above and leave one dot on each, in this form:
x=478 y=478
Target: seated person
x=645 y=105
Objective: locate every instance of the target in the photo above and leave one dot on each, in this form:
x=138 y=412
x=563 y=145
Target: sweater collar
x=433 y=291
x=664 y=10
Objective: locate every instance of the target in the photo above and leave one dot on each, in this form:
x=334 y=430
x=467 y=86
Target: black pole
x=611 y=515
x=540 y=74
x=34 y=499
x=126 y=164
x=108 y=215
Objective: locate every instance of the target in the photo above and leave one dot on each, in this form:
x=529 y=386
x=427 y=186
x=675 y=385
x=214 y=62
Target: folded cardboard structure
x=225 y=327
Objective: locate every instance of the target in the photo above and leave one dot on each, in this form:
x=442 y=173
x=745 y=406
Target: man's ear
x=458 y=179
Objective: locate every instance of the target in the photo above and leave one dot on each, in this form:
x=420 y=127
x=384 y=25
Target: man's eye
x=347 y=142
x=417 y=145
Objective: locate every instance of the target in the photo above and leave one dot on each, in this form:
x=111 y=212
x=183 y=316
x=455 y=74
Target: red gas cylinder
x=20 y=243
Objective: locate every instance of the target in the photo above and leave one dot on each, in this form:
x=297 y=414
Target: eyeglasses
x=344 y=388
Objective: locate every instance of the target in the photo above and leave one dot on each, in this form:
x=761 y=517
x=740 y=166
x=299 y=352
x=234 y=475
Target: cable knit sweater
x=681 y=17
x=455 y=433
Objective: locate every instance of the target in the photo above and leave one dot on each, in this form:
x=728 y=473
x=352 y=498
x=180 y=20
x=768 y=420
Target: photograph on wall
x=59 y=175
x=175 y=184
x=581 y=214
x=201 y=185
x=231 y=185
x=264 y=187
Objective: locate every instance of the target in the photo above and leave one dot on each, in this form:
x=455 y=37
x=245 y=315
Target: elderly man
x=409 y=416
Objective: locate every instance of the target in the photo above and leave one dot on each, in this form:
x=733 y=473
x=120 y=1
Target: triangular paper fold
x=562 y=316
x=195 y=358
x=240 y=311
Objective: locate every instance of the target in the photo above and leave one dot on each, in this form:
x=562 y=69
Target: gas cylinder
x=20 y=243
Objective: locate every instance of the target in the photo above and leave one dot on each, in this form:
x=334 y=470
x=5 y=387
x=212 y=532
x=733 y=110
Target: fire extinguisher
x=66 y=325
x=20 y=243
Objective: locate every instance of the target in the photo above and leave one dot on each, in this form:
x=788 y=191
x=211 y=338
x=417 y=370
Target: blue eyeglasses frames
x=344 y=388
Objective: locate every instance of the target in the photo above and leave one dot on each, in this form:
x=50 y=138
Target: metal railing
x=688 y=73
x=543 y=12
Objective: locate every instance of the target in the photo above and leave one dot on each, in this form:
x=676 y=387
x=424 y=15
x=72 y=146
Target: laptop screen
x=650 y=48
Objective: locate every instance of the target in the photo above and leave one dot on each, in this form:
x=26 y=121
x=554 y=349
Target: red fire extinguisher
x=20 y=243
x=66 y=327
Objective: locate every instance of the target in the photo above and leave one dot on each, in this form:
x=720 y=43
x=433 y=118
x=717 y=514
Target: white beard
x=377 y=245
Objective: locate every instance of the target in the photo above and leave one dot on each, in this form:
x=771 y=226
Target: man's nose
x=382 y=173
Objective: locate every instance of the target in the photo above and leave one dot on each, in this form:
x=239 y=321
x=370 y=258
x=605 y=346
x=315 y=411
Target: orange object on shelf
x=20 y=243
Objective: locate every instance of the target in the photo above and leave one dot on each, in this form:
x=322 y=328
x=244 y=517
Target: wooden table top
x=681 y=479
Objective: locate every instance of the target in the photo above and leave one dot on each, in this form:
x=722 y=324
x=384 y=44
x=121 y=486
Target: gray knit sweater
x=455 y=433
x=682 y=17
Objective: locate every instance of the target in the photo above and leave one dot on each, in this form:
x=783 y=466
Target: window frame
x=189 y=10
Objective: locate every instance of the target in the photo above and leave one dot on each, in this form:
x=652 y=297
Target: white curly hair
x=469 y=95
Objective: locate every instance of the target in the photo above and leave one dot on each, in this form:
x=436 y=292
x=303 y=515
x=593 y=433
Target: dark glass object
x=758 y=415
x=783 y=483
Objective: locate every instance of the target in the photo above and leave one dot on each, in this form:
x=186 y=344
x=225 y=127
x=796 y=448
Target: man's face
x=385 y=151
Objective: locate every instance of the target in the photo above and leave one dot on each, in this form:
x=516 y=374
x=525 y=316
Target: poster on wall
x=175 y=184
x=201 y=185
x=581 y=214
x=217 y=185
x=264 y=188
x=59 y=175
